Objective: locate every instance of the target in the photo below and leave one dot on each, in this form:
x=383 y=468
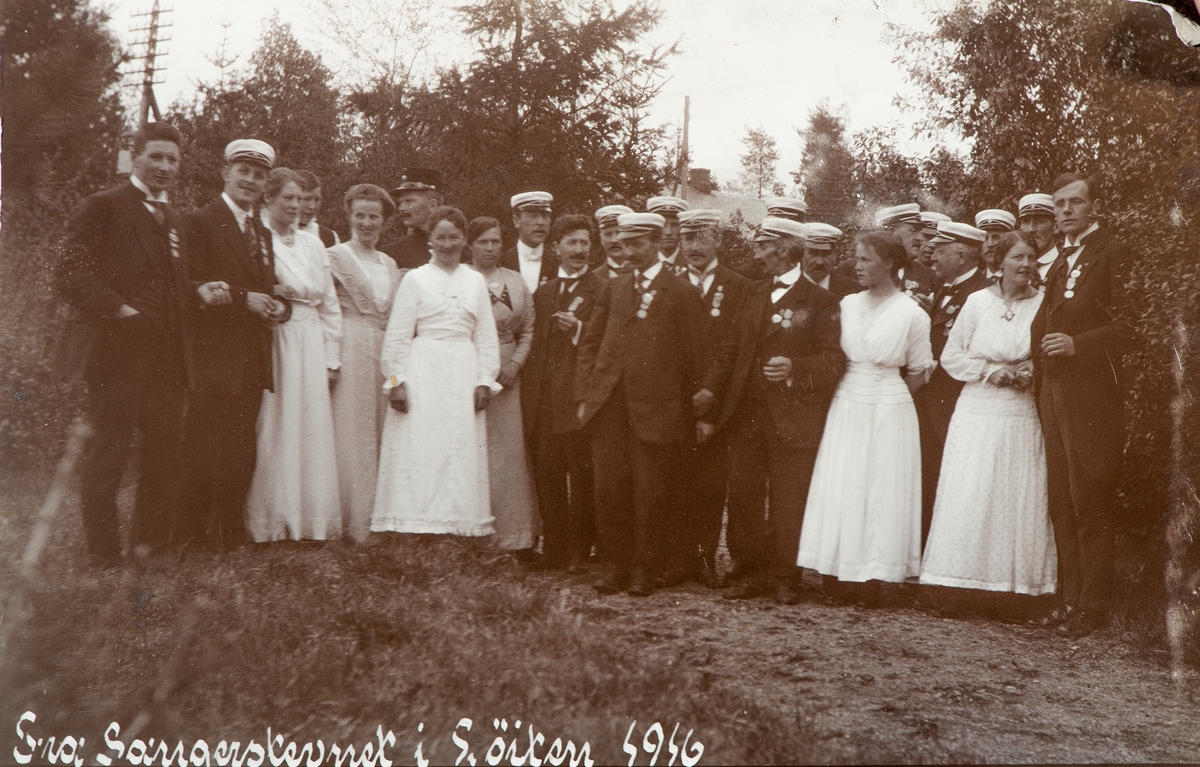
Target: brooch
x=647 y=298
x=717 y=298
x=783 y=318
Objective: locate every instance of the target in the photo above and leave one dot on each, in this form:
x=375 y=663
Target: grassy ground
x=413 y=634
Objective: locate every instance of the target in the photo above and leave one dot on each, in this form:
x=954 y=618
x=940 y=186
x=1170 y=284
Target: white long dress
x=294 y=493
x=991 y=529
x=433 y=464
x=862 y=520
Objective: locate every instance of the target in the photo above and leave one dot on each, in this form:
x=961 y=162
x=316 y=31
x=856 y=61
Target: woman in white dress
x=440 y=359
x=294 y=493
x=991 y=529
x=366 y=282
x=862 y=521
x=513 y=501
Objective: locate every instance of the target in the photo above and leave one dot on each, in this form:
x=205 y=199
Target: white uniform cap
x=1036 y=204
x=250 y=150
x=930 y=219
x=899 y=214
x=773 y=227
x=639 y=225
x=699 y=218
x=531 y=201
x=953 y=231
x=787 y=207
x=996 y=219
x=666 y=206
x=607 y=216
x=820 y=236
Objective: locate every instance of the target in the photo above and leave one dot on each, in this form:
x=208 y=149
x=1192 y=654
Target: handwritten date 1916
x=652 y=743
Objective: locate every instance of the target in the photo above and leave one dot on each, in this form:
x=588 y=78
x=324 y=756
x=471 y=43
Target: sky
x=743 y=63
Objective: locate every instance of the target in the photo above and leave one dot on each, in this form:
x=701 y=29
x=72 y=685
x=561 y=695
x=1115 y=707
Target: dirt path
x=899 y=684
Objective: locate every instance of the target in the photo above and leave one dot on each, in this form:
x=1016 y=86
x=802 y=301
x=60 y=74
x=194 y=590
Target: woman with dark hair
x=991 y=528
x=862 y=521
x=514 y=504
x=366 y=282
x=440 y=359
x=294 y=493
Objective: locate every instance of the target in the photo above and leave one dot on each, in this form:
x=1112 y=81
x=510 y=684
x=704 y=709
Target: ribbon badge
x=717 y=298
x=951 y=309
x=910 y=287
x=647 y=298
x=1071 y=278
x=574 y=304
x=783 y=318
x=173 y=236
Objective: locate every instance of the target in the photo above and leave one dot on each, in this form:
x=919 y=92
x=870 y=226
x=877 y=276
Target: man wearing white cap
x=995 y=224
x=916 y=279
x=787 y=207
x=775 y=379
x=233 y=349
x=958 y=261
x=929 y=223
x=1079 y=337
x=530 y=257
x=610 y=245
x=124 y=272
x=700 y=501
x=640 y=364
x=1036 y=216
x=819 y=260
x=669 y=208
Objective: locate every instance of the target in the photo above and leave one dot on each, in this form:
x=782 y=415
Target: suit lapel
x=149 y=232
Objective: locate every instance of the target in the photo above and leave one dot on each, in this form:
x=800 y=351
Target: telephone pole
x=151 y=53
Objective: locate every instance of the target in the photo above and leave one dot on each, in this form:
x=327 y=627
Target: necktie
x=1059 y=270
x=158 y=210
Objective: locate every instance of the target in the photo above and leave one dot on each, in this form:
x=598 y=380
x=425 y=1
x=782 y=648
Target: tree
x=883 y=175
x=759 y=162
x=826 y=171
x=285 y=97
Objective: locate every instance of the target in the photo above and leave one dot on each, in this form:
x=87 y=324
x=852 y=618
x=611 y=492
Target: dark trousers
x=562 y=469
x=633 y=489
x=1081 y=480
x=220 y=444
x=135 y=383
x=764 y=540
x=934 y=411
x=698 y=505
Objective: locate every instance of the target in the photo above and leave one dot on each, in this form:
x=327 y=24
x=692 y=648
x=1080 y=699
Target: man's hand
x=262 y=305
x=566 y=321
x=508 y=374
x=925 y=302
x=778 y=369
x=483 y=395
x=215 y=294
x=398 y=398
x=333 y=374
x=1023 y=374
x=704 y=431
x=1058 y=345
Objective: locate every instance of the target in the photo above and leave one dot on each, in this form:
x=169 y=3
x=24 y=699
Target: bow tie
x=700 y=275
x=533 y=255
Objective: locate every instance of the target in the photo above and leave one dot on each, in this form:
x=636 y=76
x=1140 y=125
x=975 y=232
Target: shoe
x=748 y=588
x=786 y=594
x=1061 y=613
x=640 y=585
x=530 y=559
x=1081 y=624
x=610 y=583
x=674 y=576
x=708 y=578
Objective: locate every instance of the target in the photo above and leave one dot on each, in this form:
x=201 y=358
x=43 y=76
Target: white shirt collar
x=1049 y=256
x=789 y=277
x=564 y=275
x=960 y=279
x=669 y=259
x=650 y=273
x=823 y=283
x=238 y=213
x=1078 y=240
x=160 y=197
x=526 y=253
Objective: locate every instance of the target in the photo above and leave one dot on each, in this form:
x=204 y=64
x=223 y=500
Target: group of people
x=943 y=405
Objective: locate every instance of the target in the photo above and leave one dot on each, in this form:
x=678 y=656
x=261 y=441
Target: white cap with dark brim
x=930 y=220
x=953 y=231
x=787 y=207
x=993 y=218
x=531 y=201
x=639 y=225
x=909 y=213
x=699 y=219
x=666 y=206
x=774 y=227
x=1036 y=204
x=819 y=236
x=607 y=216
x=250 y=150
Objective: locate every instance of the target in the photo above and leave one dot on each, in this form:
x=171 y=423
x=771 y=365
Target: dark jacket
x=548 y=378
x=658 y=360
x=721 y=304
x=112 y=247
x=409 y=251
x=812 y=342
x=233 y=345
x=510 y=260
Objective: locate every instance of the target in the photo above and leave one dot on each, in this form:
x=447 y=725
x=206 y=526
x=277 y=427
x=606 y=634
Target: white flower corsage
x=647 y=299
x=783 y=318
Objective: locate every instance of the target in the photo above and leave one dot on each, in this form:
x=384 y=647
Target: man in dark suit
x=1078 y=338
x=310 y=206
x=611 y=260
x=531 y=217
x=818 y=260
x=562 y=460
x=775 y=378
x=233 y=348
x=124 y=271
x=639 y=365
x=699 y=500
x=1035 y=214
x=417 y=194
x=995 y=223
x=958 y=261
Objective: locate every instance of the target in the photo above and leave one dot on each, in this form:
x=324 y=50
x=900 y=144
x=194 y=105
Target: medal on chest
x=173 y=237
x=644 y=308
x=718 y=297
x=783 y=318
x=1071 y=279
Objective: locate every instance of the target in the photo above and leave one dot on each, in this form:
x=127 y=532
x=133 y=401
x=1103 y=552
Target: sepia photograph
x=599 y=382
